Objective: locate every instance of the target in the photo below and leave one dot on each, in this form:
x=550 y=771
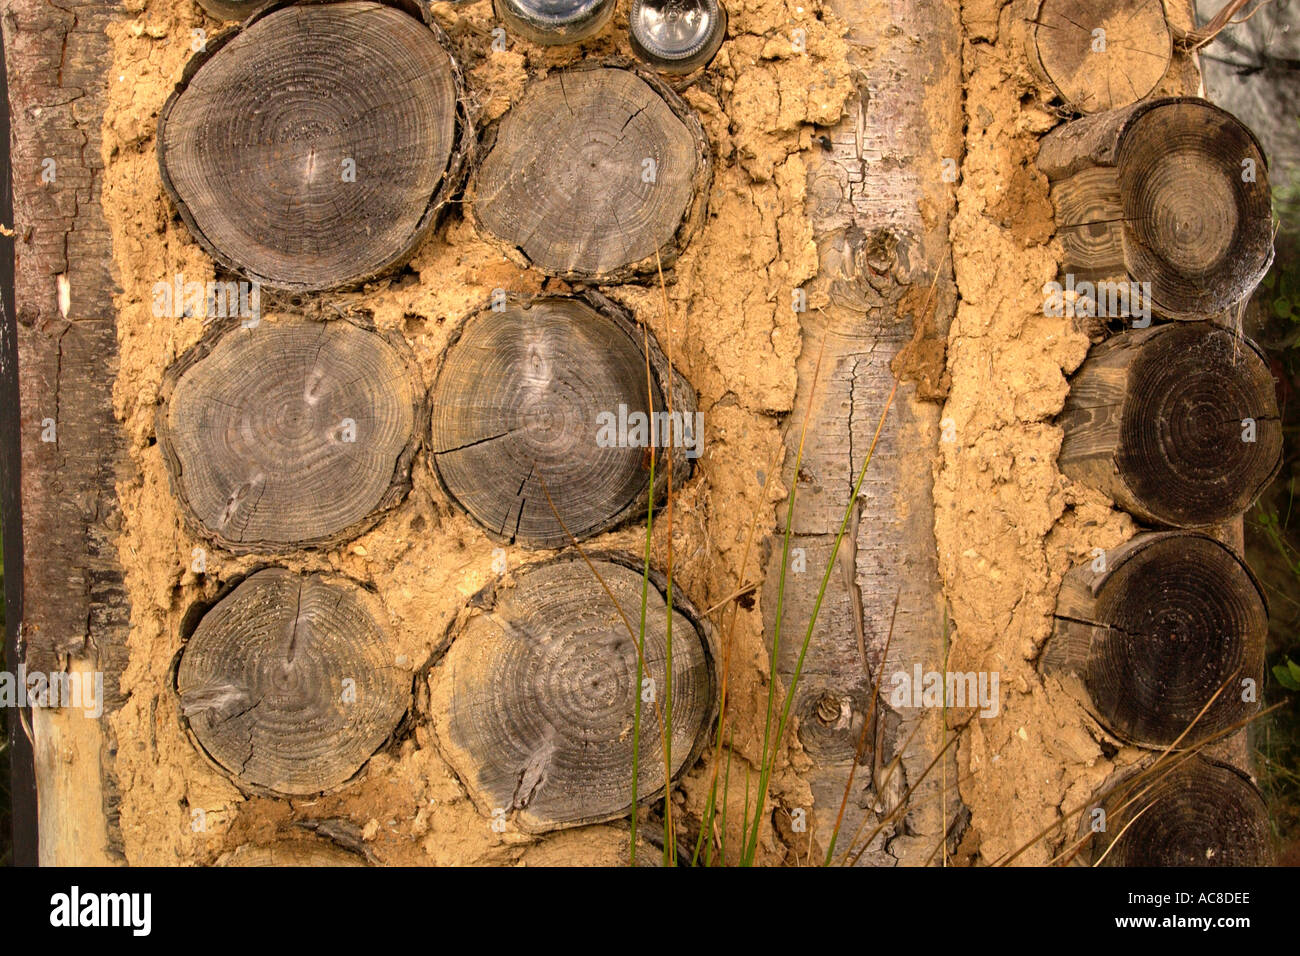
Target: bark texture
x=74 y=603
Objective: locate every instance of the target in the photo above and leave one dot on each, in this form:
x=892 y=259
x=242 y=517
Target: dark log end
x=1197 y=215
x=1174 y=626
x=1178 y=423
x=1192 y=812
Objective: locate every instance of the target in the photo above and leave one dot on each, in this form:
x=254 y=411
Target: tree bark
x=880 y=256
x=73 y=607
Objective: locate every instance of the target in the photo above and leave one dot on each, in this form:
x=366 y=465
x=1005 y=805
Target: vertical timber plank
x=74 y=604
x=880 y=209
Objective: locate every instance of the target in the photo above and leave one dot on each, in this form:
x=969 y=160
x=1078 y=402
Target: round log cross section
x=1179 y=424
x=295 y=433
x=229 y=9
x=294 y=853
x=1173 y=620
x=533 y=703
x=1198 y=222
x=526 y=419
x=290 y=684
x=1197 y=812
x=592 y=173
x=311 y=147
x=1103 y=54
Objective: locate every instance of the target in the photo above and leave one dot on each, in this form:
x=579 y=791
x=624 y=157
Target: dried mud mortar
x=1008 y=524
x=729 y=330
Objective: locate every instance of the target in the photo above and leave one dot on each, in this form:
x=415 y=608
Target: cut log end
x=1102 y=54
x=1179 y=424
x=1195 y=812
x=535 y=425
x=295 y=433
x=1174 y=624
x=1170 y=194
x=1196 y=205
x=331 y=174
x=293 y=853
x=229 y=9
x=596 y=174
x=534 y=701
x=290 y=683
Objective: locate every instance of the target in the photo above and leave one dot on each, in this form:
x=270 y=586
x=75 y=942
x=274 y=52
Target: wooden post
x=1186 y=812
x=312 y=182
x=67 y=606
x=879 y=207
x=597 y=173
x=290 y=683
x=292 y=433
x=1147 y=633
x=1178 y=424
x=1171 y=192
x=533 y=700
x=1096 y=54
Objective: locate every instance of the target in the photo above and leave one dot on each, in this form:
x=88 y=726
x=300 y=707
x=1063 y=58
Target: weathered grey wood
x=290 y=682
x=1194 y=215
x=290 y=434
x=516 y=409
x=313 y=146
x=879 y=255
x=1088 y=141
x=72 y=600
x=290 y=853
x=1155 y=417
x=1146 y=640
x=1196 y=812
x=229 y=9
x=1094 y=73
x=591 y=173
x=533 y=703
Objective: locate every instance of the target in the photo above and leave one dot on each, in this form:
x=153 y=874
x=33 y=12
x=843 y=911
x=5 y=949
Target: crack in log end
x=217 y=703
x=293 y=627
x=236 y=499
x=532 y=776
